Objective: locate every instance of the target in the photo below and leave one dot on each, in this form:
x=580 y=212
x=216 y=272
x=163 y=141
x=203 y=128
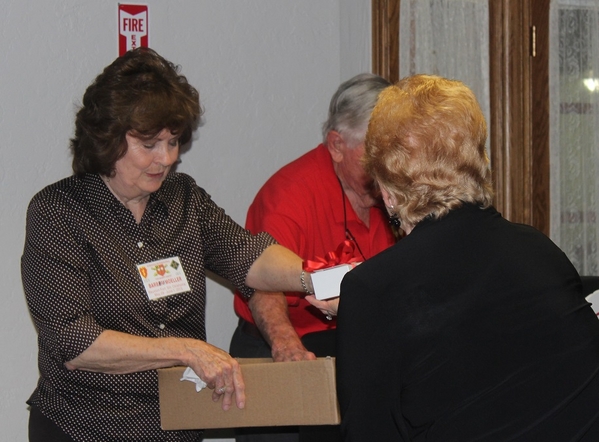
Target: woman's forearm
x=119 y=353
x=278 y=269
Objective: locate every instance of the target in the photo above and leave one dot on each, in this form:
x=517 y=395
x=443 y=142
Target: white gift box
x=593 y=298
x=327 y=282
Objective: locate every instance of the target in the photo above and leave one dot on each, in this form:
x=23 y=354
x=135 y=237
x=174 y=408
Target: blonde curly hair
x=425 y=145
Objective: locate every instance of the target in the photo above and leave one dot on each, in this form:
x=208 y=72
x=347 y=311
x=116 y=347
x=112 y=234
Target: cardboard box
x=277 y=393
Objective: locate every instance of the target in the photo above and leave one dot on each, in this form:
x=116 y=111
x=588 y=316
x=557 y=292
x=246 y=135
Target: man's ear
x=336 y=145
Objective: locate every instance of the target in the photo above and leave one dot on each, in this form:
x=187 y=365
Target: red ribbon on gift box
x=343 y=255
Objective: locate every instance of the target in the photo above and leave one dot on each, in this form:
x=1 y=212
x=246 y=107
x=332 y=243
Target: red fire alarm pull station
x=133 y=27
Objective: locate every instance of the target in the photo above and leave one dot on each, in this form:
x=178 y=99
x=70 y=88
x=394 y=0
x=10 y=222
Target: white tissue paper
x=190 y=375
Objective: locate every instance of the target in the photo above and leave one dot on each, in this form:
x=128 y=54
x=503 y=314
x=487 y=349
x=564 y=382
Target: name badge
x=164 y=277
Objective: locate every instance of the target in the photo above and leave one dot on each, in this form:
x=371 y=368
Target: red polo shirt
x=301 y=206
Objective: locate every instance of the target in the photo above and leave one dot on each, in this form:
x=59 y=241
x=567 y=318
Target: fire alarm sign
x=133 y=27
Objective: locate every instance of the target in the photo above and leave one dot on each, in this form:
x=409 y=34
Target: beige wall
x=265 y=70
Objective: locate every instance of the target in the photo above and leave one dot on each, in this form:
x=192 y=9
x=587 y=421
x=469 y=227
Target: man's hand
x=269 y=310
x=284 y=350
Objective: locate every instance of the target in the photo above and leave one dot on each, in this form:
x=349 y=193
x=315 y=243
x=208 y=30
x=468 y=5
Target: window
x=574 y=130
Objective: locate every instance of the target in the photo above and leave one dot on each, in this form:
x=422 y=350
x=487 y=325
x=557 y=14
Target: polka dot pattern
x=80 y=277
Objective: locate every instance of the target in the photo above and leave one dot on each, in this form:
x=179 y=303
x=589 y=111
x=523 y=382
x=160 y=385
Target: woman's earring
x=393 y=218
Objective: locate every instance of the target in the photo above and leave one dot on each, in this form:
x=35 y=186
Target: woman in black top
x=483 y=333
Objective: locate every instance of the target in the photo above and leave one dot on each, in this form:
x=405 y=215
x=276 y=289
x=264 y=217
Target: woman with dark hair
x=483 y=332
x=114 y=263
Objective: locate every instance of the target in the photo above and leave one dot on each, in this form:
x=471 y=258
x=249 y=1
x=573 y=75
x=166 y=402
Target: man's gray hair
x=351 y=106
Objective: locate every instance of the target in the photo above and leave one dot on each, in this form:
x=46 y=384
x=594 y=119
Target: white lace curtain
x=574 y=126
x=449 y=38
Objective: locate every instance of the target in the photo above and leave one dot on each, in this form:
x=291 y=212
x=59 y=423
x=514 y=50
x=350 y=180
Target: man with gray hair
x=314 y=205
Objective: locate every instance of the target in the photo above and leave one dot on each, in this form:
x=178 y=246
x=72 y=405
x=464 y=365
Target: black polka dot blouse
x=80 y=277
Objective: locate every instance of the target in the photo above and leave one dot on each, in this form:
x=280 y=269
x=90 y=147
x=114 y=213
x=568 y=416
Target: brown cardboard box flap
x=281 y=393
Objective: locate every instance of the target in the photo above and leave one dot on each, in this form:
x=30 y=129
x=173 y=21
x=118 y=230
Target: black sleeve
x=368 y=374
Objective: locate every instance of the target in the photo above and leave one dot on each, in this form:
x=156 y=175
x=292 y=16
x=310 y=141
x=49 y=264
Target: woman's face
x=145 y=165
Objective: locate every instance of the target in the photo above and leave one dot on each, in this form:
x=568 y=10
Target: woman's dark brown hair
x=140 y=93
